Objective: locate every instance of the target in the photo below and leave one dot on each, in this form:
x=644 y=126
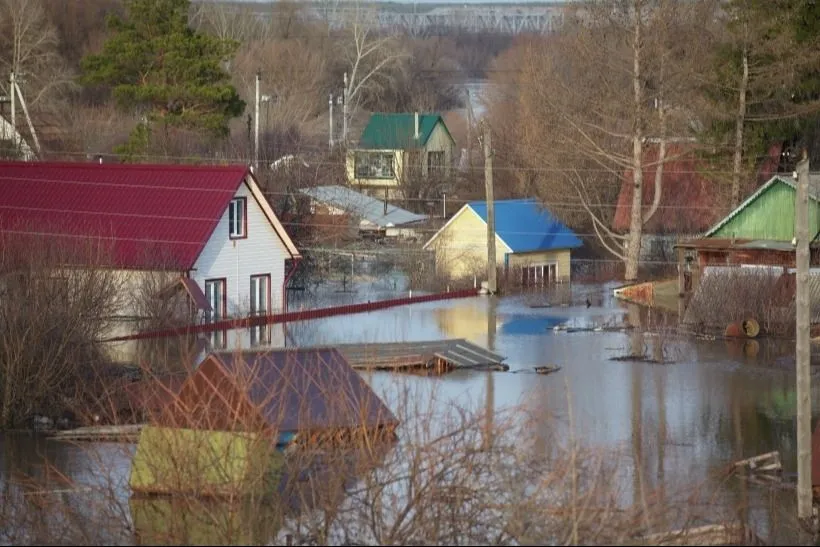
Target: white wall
x=262 y=252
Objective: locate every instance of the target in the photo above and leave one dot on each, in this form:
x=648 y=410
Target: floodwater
x=674 y=425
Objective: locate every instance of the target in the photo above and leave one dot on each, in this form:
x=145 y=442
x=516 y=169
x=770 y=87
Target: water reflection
x=669 y=426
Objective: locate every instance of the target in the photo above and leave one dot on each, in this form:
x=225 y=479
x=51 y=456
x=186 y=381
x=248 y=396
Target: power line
x=342 y=163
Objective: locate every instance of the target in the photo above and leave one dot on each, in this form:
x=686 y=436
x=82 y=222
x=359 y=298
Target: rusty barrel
x=748 y=328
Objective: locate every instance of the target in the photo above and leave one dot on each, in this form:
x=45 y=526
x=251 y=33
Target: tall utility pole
x=804 y=486
x=12 y=88
x=469 y=130
x=488 y=188
x=330 y=104
x=344 y=111
x=256 y=125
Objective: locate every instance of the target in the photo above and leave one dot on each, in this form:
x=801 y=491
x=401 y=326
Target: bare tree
x=368 y=57
x=28 y=47
x=591 y=99
x=53 y=316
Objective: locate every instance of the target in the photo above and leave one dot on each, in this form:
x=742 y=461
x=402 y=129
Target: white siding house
x=237 y=261
x=205 y=232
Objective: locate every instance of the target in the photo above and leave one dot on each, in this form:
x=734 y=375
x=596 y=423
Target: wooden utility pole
x=804 y=486
x=488 y=188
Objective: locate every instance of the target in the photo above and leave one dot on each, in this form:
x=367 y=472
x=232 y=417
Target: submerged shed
x=290 y=394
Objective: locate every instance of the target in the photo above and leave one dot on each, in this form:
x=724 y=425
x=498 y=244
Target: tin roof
x=360 y=205
x=153 y=216
x=690 y=202
x=459 y=352
x=525 y=225
x=305 y=389
x=396 y=131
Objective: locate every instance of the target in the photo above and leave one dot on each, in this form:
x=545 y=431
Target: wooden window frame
x=244 y=205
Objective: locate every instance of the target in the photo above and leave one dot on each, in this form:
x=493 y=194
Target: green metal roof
x=397 y=131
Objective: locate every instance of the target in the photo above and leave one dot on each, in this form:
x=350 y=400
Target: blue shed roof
x=526 y=226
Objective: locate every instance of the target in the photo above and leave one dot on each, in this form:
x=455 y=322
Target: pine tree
x=156 y=65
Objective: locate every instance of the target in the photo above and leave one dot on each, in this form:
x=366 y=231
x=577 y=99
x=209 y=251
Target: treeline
x=75 y=59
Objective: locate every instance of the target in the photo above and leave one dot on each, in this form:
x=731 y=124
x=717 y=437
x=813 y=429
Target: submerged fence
x=303 y=315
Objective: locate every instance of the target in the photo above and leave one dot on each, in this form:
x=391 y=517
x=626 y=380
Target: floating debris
x=547 y=369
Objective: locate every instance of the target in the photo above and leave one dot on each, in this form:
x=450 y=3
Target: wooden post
x=488 y=188
x=804 y=486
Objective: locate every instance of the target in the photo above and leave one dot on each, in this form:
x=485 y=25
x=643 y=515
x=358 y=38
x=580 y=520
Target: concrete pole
x=345 y=98
x=488 y=188
x=804 y=486
x=256 y=126
x=469 y=130
x=12 y=87
x=330 y=104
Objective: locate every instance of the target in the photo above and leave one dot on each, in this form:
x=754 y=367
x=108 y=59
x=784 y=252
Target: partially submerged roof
x=397 y=131
x=523 y=225
x=305 y=389
x=366 y=207
x=458 y=352
x=149 y=216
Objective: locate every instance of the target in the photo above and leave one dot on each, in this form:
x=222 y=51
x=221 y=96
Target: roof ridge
x=126 y=166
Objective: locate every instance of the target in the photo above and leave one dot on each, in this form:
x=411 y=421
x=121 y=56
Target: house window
x=216 y=294
x=540 y=275
x=435 y=163
x=238 y=218
x=374 y=165
x=260 y=294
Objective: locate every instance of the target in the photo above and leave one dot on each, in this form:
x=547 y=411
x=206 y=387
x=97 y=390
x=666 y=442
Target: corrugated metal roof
x=689 y=203
x=396 y=131
x=360 y=205
x=153 y=215
x=306 y=389
x=459 y=352
x=524 y=225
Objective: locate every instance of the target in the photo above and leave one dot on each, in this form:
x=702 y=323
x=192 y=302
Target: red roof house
x=209 y=224
x=691 y=202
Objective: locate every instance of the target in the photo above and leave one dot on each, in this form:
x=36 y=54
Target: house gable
x=767 y=214
x=263 y=252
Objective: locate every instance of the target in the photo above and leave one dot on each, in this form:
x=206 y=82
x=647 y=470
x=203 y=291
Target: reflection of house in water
x=468 y=320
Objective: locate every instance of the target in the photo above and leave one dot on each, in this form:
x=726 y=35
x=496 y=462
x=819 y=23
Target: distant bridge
x=416 y=20
x=476 y=18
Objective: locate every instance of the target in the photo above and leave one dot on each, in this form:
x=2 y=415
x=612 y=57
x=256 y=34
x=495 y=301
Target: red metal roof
x=690 y=203
x=154 y=216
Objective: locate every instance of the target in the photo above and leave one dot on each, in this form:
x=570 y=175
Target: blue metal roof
x=526 y=226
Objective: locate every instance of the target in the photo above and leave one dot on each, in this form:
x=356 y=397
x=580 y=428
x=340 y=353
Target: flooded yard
x=667 y=428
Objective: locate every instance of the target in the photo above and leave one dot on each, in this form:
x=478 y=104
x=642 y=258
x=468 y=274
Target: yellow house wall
x=561 y=258
x=439 y=141
x=461 y=249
